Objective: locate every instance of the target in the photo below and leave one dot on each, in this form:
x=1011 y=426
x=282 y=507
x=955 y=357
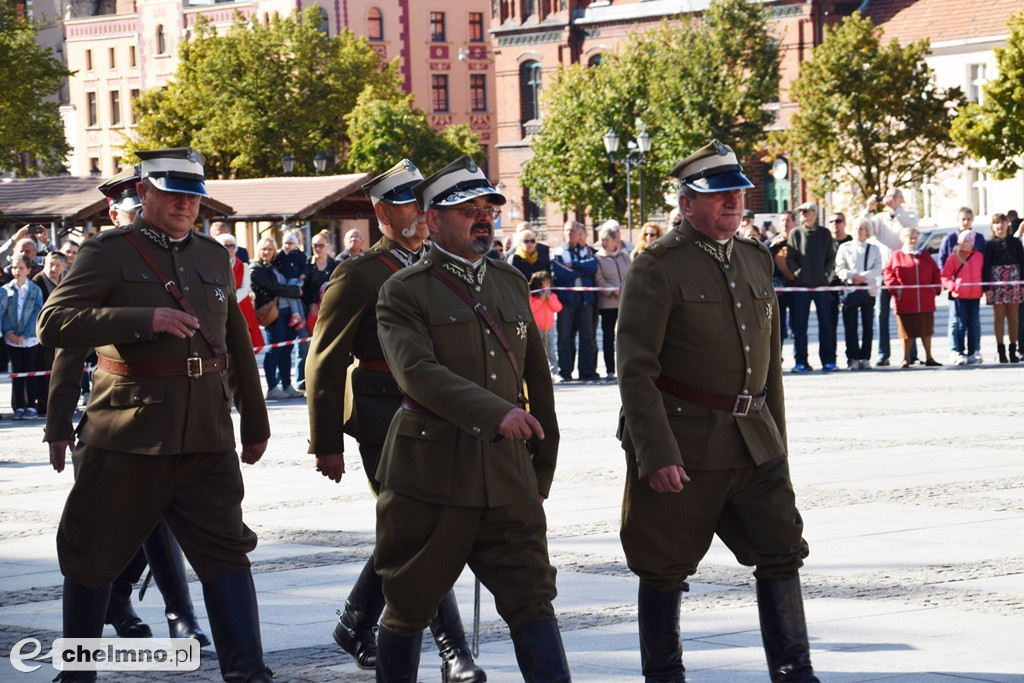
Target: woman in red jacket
x=915 y=305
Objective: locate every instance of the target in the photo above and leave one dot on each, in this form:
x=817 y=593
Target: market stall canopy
x=306 y=198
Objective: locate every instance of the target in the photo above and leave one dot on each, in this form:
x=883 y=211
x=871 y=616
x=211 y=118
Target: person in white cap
x=467 y=462
x=157 y=300
x=368 y=395
x=703 y=421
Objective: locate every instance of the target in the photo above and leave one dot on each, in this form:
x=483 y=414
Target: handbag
x=267 y=313
x=858 y=295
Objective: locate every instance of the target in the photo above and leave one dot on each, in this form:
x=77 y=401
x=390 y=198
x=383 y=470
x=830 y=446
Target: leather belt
x=190 y=367
x=739 y=406
x=410 y=404
x=374 y=364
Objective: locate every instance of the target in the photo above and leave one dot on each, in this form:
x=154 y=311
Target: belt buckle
x=193 y=367
x=743 y=400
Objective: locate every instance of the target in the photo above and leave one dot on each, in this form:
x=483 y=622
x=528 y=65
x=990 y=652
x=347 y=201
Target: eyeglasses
x=473 y=211
x=651 y=234
x=318 y=246
x=231 y=245
x=529 y=241
x=838 y=220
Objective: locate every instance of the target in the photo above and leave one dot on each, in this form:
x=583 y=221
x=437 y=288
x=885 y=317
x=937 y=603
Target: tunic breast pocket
x=453 y=333
x=515 y=323
x=140 y=275
x=702 y=308
x=764 y=302
x=216 y=288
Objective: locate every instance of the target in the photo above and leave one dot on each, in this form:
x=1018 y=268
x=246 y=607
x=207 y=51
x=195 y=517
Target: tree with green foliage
x=994 y=129
x=684 y=82
x=386 y=128
x=31 y=132
x=870 y=115
x=247 y=97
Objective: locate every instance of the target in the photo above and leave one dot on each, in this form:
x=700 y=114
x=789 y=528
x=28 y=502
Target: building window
x=115 y=108
x=132 y=59
x=375 y=24
x=131 y=105
x=439 y=93
x=113 y=58
x=529 y=91
x=88 y=60
x=478 y=92
x=529 y=7
x=975 y=82
x=94 y=166
x=979 y=191
x=90 y=109
x=325 y=23
x=476 y=27
x=595 y=60
x=437 y=27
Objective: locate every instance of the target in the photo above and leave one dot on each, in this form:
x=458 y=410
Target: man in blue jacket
x=573 y=265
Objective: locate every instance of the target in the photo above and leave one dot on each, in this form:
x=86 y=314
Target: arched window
x=375 y=24
x=529 y=90
x=161 y=40
x=325 y=23
x=595 y=60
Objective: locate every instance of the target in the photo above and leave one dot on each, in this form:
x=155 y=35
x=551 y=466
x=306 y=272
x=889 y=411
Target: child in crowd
x=545 y=304
x=292 y=264
x=962 y=276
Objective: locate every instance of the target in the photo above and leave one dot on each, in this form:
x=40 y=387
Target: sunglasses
x=474 y=211
x=529 y=241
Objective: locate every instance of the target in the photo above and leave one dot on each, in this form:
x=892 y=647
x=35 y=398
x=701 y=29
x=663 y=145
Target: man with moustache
x=345 y=342
x=703 y=421
x=459 y=484
x=157 y=300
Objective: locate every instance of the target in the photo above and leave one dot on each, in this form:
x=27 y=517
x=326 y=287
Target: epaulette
x=208 y=238
x=660 y=246
x=506 y=266
x=363 y=255
x=753 y=242
x=418 y=267
x=107 y=234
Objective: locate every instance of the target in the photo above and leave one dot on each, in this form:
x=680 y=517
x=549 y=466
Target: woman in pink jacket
x=915 y=306
x=962 y=275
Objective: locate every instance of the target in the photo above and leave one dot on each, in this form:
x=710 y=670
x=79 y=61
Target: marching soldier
x=159 y=550
x=703 y=421
x=458 y=483
x=347 y=328
x=157 y=301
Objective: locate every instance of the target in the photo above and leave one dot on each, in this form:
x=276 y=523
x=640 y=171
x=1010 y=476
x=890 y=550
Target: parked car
x=931 y=238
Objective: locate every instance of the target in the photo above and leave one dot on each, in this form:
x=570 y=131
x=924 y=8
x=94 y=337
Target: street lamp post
x=633 y=158
x=288 y=163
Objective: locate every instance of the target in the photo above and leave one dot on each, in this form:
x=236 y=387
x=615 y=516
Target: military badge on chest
x=521 y=329
x=768 y=311
x=219 y=294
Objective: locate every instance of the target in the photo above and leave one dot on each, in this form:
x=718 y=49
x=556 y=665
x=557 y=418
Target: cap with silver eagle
x=458 y=182
x=712 y=168
x=395 y=185
x=179 y=169
x=120 y=190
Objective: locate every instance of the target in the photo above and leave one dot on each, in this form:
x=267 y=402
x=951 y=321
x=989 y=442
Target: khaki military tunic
x=344 y=398
x=150 y=446
x=454 y=491
x=704 y=316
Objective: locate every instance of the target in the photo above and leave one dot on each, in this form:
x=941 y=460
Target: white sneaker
x=292 y=392
x=960 y=359
x=865 y=364
x=974 y=358
x=276 y=393
x=954 y=358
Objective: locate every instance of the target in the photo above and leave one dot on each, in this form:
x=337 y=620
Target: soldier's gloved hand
x=58 y=453
x=519 y=424
x=173 y=321
x=331 y=465
x=668 y=479
x=252 y=452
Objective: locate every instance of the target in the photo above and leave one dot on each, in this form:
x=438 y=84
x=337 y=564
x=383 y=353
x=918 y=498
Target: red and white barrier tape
x=829 y=288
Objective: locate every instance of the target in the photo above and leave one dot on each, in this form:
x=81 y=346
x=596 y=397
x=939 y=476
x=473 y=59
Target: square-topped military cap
x=712 y=168
x=120 y=190
x=456 y=183
x=395 y=185
x=179 y=169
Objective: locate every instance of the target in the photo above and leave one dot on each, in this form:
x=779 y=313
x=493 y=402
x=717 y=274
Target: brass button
x=749 y=371
x=476 y=288
x=726 y=265
x=700 y=296
x=747 y=347
x=186 y=288
x=476 y=430
x=487 y=331
x=732 y=284
x=181 y=269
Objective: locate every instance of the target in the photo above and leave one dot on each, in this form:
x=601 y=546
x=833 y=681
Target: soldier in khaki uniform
x=160 y=550
x=347 y=331
x=158 y=439
x=703 y=421
x=458 y=483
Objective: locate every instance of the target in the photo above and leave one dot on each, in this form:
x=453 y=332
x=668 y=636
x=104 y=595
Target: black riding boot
x=1014 y=358
x=83 y=618
x=168 y=567
x=540 y=652
x=1001 y=349
x=120 y=614
x=456 y=660
x=784 y=630
x=235 y=624
x=356 y=625
x=398 y=657
x=661 y=648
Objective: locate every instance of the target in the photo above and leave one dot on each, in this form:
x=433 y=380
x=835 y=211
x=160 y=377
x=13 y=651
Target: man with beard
x=458 y=483
x=347 y=329
x=703 y=422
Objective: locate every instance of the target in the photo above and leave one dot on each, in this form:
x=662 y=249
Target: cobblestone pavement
x=911 y=484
